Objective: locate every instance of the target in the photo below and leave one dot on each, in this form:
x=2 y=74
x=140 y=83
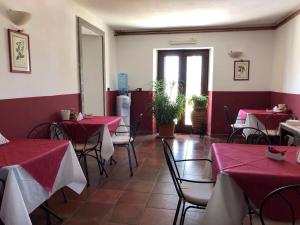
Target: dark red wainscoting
x=140 y=103
x=18 y=116
x=292 y=100
x=111 y=103
x=235 y=101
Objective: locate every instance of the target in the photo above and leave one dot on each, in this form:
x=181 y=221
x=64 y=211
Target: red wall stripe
x=235 y=100
x=18 y=116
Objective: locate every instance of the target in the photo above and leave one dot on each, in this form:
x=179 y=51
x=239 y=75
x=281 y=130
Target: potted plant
x=199 y=113
x=165 y=109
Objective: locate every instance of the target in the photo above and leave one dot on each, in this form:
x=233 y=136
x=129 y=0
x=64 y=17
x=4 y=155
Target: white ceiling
x=137 y=14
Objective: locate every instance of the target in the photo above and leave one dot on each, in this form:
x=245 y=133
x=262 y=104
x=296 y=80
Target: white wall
x=53 y=44
x=286 y=66
x=135 y=57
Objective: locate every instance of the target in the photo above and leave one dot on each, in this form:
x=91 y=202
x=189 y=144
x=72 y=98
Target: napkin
x=79 y=116
x=3 y=140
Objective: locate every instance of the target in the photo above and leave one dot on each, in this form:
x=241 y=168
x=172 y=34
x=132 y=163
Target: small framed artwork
x=19 y=52
x=241 y=70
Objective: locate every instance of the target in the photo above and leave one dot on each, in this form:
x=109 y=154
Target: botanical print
x=19 y=55
x=241 y=70
x=19 y=52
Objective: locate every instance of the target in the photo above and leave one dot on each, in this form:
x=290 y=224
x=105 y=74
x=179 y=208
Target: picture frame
x=19 y=52
x=241 y=70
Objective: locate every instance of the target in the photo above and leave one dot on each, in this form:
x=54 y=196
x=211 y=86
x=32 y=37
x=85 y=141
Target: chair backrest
x=286 y=203
x=249 y=135
x=172 y=167
x=136 y=126
x=227 y=115
x=272 y=123
x=44 y=131
x=78 y=134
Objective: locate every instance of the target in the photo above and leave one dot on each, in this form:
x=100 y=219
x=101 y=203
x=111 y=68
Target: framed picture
x=19 y=52
x=241 y=70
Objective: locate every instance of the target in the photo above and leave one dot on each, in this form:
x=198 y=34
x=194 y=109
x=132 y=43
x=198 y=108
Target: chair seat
x=238 y=125
x=121 y=139
x=256 y=221
x=80 y=146
x=197 y=193
x=271 y=132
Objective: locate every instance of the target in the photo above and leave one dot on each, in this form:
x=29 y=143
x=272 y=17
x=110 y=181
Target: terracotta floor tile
x=157 y=217
x=105 y=196
x=164 y=188
x=130 y=197
x=115 y=184
x=92 y=211
x=127 y=213
x=146 y=198
x=162 y=201
x=140 y=186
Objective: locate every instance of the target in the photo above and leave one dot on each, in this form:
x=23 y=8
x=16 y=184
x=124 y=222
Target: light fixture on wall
x=235 y=54
x=18 y=18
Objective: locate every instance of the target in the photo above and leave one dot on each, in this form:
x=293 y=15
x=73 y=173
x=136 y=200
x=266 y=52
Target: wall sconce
x=18 y=18
x=235 y=54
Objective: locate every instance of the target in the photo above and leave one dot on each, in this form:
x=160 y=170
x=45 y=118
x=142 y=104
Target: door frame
x=80 y=24
x=183 y=54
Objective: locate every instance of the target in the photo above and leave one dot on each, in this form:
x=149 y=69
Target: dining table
x=242 y=171
x=33 y=170
x=291 y=130
x=106 y=125
x=258 y=118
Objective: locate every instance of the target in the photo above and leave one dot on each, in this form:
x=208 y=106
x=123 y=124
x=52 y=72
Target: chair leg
x=177 y=211
x=182 y=214
x=133 y=149
x=86 y=171
x=50 y=212
x=129 y=159
x=99 y=162
x=228 y=136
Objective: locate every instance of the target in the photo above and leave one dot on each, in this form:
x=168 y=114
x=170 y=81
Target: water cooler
x=123 y=108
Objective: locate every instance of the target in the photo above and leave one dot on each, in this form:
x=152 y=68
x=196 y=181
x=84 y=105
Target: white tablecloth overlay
x=107 y=145
x=251 y=121
x=227 y=205
x=23 y=194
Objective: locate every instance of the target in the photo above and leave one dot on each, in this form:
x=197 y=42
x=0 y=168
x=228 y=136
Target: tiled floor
x=147 y=198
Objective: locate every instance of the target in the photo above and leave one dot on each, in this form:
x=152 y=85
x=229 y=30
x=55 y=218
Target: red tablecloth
x=92 y=124
x=256 y=174
x=40 y=158
x=262 y=116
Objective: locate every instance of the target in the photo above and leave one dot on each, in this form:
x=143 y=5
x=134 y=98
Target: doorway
x=189 y=69
x=91 y=68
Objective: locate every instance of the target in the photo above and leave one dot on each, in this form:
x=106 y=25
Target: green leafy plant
x=166 y=110
x=198 y=102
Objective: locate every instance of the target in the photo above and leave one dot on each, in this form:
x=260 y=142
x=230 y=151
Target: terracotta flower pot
x=198 y=118
x=166 y=130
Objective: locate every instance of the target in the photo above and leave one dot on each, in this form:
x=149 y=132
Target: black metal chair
x=273 y=133
x=125 y=137
x=285 y=200
x=84 y=144
x=249 y=135
x=287 y=196
x=232 y=126
x=48 y=130
x=196 y=193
